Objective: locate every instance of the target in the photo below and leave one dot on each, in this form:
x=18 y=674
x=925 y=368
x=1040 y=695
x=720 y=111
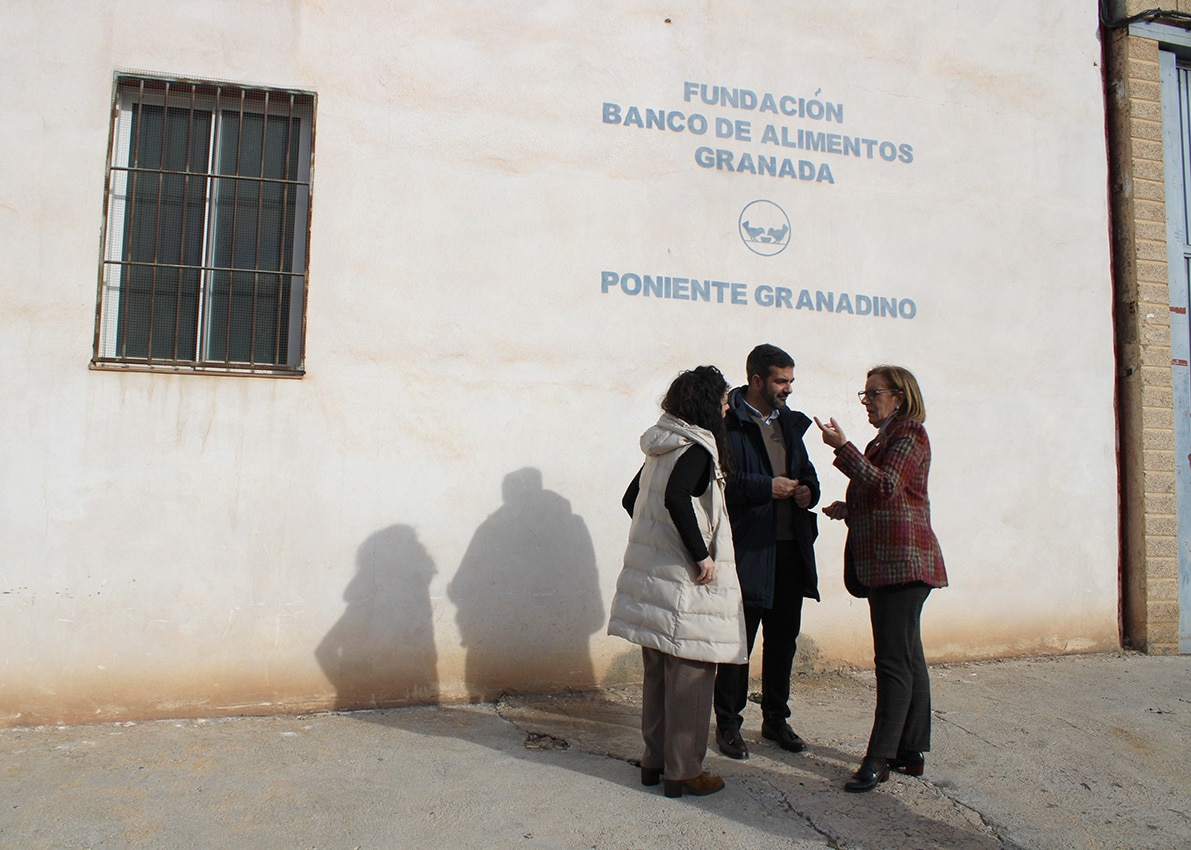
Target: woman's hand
x=833 y=434
x=836 y=510
x=706 y=571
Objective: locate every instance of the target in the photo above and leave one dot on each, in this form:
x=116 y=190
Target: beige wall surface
x=432 y=512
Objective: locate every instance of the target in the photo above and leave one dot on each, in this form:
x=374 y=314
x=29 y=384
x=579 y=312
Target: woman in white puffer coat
x=678 y=596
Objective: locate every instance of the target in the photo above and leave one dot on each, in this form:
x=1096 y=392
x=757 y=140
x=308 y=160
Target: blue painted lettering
x=764 y=295
x=731 y=97
x=658 y=119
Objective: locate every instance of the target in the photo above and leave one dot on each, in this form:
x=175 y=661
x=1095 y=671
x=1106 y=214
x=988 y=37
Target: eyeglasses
x=871 y=395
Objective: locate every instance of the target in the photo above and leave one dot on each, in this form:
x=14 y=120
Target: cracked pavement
x=1070 y=751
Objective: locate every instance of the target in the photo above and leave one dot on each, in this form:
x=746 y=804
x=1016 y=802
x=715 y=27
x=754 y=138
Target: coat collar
x=795 y=420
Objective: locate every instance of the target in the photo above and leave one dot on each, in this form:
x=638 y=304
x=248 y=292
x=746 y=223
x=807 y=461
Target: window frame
x=220 y=98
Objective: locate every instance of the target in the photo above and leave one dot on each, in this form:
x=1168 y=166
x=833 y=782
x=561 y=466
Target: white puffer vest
x=657 y=602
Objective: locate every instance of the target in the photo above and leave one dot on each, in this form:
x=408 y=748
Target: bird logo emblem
x=764 y=228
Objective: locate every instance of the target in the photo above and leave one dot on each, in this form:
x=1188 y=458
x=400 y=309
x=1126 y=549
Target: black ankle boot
x=873 y=771
x=908 y=762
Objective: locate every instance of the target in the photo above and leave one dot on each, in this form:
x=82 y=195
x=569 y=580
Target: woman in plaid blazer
x=892 y=557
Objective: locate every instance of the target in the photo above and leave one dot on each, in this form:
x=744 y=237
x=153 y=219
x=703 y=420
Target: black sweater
x=691 y=477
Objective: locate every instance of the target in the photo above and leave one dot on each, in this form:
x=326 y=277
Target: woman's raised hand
x=833 y=434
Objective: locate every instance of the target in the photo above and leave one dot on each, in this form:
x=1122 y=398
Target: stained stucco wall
x=432 y=512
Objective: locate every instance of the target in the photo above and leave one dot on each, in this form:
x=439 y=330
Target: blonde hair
x=903 y=380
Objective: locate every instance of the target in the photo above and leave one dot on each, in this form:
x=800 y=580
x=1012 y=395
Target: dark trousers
x=780 y=626
x=902 y=720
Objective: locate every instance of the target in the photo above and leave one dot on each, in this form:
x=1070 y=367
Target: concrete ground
x=1076 y=751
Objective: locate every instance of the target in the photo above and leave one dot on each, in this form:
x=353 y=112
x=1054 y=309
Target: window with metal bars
x=205 y=230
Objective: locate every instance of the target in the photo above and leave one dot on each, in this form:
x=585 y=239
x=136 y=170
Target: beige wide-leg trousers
x=675 y=713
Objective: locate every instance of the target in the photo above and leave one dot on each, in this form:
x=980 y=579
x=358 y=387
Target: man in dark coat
x=774 y=531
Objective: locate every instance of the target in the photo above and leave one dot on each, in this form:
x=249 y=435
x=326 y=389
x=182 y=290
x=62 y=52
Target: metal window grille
x=206 y=228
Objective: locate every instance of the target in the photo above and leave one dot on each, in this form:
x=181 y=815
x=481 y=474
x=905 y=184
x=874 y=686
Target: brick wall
x=1149 y=582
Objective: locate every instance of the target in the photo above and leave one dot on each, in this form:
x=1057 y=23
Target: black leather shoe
x=651 y=776
x=731 y=744
x=908 y=762
x=871 y=774
x=786 y=737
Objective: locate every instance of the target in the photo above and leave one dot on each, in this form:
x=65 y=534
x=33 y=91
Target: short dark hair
x=696 y=397
x=765 y=357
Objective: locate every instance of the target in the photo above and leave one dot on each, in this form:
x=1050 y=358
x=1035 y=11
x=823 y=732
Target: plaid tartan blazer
x=890 y=540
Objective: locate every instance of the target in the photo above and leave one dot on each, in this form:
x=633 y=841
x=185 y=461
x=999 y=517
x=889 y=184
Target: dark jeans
x=780 y=626
x=902 y=720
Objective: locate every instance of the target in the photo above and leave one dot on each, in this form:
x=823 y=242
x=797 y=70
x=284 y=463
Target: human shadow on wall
x=527 y=595
x=381 y=652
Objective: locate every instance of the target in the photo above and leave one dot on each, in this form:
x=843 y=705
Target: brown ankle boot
x=700 y=786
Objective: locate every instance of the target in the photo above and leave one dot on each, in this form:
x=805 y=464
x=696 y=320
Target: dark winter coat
x=750 y=501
